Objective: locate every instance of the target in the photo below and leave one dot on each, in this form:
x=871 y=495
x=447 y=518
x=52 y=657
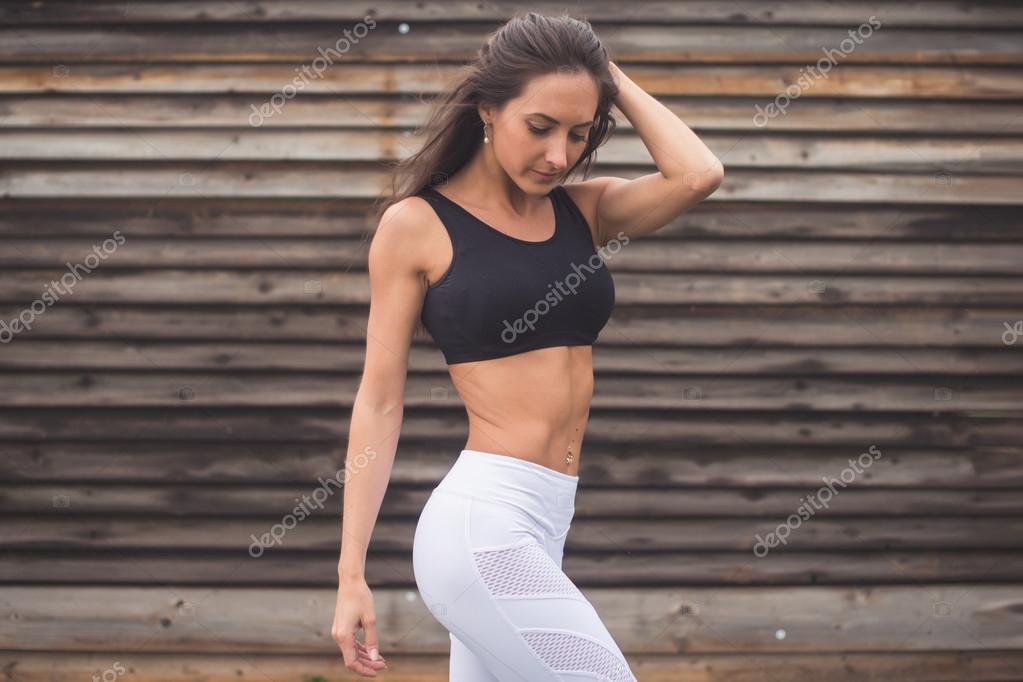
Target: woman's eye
x=541 y=131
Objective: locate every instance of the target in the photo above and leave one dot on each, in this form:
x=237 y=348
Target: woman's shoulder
x=411 y=233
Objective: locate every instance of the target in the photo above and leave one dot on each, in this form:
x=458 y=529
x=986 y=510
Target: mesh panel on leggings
x=565 y=652
x=523 y=570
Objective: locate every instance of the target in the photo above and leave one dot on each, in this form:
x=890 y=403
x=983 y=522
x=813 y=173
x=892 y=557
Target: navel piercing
x=568 y=458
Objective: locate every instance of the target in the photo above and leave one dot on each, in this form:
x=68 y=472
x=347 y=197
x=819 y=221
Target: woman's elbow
x=714 y=176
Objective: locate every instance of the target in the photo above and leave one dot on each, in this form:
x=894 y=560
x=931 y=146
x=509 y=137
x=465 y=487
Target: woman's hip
x=539 y=496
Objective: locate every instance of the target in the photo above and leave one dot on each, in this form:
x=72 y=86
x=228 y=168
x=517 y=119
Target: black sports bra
x=502 y=295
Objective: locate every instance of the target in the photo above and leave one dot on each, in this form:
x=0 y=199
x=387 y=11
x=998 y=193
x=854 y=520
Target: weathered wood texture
x=854 y=284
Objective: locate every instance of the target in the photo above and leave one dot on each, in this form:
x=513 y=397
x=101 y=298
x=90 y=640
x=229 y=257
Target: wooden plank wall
x=853 y=287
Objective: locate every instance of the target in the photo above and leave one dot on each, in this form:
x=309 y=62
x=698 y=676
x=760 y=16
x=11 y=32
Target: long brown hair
x=527 y=45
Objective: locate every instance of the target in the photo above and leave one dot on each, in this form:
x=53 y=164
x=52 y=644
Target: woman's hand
x=355 y=609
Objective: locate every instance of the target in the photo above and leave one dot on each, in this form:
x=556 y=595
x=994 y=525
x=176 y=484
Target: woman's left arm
x=687 y=171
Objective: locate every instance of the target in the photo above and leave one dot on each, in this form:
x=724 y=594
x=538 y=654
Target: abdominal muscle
x=532 y=405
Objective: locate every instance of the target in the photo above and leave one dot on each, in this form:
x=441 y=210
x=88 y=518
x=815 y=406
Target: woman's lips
x=545 y=176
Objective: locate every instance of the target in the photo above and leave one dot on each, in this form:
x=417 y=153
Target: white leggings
x=487 y=560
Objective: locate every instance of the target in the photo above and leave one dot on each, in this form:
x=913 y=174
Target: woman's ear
x=486 y=112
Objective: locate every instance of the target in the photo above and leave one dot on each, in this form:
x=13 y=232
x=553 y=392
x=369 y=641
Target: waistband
x=544 y=493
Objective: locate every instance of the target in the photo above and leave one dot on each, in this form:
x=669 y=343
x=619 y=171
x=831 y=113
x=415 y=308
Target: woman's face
x=545 y=129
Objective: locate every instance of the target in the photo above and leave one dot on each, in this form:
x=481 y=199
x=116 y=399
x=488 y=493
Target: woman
x=500 y=262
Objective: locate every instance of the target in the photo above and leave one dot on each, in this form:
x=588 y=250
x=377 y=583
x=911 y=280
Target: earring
x=486 y=140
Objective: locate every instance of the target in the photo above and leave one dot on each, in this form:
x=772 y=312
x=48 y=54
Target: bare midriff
x=532 y=405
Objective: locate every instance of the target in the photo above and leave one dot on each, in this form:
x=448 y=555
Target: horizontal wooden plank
x=241 y=538
x=687 y=393
x=266 y=217
x=637 y=327
x=603 y=465
x=888 y=154
x=318 y=179
x=329 y=111
x=700 y=392
x=171 y=216
x=329 y=287
x=840 y=186
x=656 y=253
x=792 y=12
x=693 y=255
x=941 y=666
x=624 y=428
x=352 y=79
x=587 y=569
x=381 y=41
x=658 y=620
x=30 y=354
x=403 y=501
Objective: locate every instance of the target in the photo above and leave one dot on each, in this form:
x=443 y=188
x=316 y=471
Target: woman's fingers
x=352 y=656
x=369 y=626
x=362 y=647
x=380 y=663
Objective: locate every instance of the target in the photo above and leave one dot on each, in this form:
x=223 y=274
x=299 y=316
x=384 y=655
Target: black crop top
x=502 y=295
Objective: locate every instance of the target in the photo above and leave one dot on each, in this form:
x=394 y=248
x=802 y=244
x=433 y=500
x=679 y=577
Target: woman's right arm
x=396 y=297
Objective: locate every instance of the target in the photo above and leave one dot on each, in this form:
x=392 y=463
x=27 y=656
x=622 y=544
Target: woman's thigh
x=485 y=572
x=463 y=664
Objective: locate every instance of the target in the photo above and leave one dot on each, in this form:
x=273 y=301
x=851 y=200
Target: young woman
x=482 y=242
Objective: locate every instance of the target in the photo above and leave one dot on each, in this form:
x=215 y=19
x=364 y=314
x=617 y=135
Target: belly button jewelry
x=568 y=458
